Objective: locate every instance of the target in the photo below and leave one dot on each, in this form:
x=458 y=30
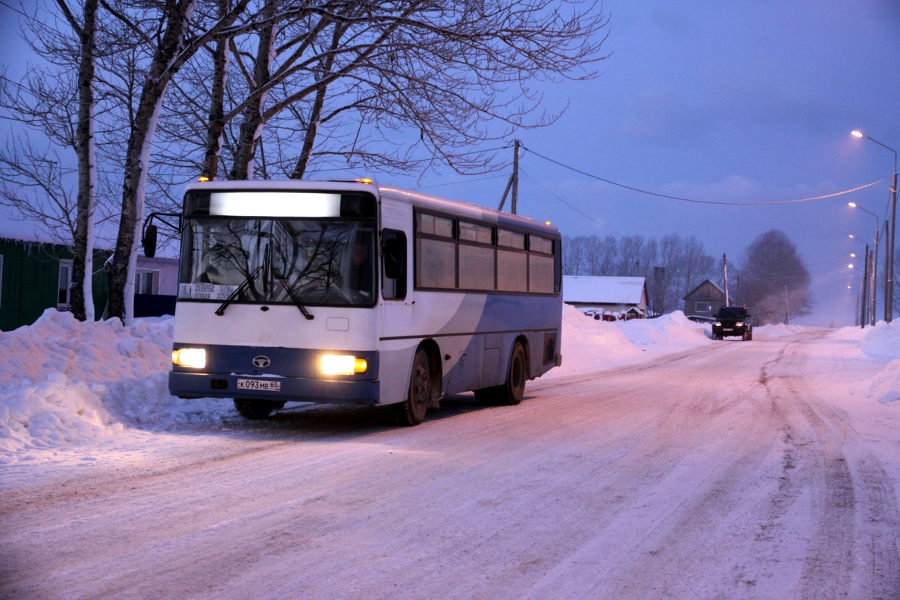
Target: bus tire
x=511 y=392
x=412 y=411
x=256 y=409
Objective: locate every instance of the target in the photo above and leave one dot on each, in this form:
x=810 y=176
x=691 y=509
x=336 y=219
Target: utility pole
x=887 y=265
x=725 y=264
x=889 y=278
x=873 y=281
x=787 y=306
x=864 y=309
x=513 y=183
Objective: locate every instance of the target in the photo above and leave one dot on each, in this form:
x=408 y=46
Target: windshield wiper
x=292 y=294
x=238 y=291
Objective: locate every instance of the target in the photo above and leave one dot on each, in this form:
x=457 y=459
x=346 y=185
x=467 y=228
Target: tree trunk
x=216 y=128
x=120 y=269
x=253 y=123
x=312 y=128
x=82 y=297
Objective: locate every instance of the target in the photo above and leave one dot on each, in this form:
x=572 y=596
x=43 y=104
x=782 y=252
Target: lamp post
x=874 y=268
x=859 y=310
x=889 y=242
x=866 y=290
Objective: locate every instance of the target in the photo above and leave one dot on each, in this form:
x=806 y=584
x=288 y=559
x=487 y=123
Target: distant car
x=733 y=321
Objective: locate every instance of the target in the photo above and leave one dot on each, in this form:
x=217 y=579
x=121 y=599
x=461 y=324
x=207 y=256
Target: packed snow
x=67 y=385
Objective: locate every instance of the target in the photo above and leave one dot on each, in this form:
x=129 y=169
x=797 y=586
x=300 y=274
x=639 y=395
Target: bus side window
x=393 y=254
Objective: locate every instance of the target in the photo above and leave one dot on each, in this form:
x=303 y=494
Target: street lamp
x=889 y=246
x=874 y=269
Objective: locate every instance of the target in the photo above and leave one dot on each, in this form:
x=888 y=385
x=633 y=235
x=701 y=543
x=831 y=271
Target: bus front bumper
x=290 y=389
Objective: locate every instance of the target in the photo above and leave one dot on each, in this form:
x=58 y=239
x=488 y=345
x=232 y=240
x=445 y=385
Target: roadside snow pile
x=885 y=387
x=63 y=382
x=593 y=345
x=882 y=341
x=855 y=333
x=671 y=332
x=589 y=345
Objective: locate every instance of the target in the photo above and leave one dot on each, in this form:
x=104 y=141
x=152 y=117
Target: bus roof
x=467 y=209
x=444 y=205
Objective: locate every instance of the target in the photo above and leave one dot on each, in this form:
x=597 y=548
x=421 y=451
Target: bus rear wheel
x=256 y=409
x=412 y=411
x=511 y=392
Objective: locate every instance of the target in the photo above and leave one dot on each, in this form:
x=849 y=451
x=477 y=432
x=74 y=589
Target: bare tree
x=774 y=278
x=395 y=87
x=33 y=188
x=172 y=42
x=58 y=102
x=85 y=150
x=573 y=255
x=671 y=266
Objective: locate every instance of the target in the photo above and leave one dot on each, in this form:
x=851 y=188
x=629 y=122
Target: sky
x=718 y=101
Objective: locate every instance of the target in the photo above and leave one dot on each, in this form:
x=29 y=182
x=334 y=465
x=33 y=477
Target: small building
x=704 y=301
x=35 y=276
x=607 y=298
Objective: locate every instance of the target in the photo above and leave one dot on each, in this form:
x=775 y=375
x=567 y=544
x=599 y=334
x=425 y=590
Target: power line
x=425 y=187
x=585 y=215
x=649 y=193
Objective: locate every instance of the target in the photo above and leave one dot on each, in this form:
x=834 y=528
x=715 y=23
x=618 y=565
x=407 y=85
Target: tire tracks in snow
x=852 y=499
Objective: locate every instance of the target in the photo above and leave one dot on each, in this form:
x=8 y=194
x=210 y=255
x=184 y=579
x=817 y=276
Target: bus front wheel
x=256 y=409
x=412 y=412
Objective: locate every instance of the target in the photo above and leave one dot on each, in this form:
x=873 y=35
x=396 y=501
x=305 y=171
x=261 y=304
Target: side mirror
x=149 y=241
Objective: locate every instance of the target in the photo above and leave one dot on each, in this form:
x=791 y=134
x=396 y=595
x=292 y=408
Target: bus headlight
x=195 y=358
x=343 y=364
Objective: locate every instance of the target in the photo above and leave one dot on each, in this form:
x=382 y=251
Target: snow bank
x=63 y=382
x=882 y=341
x=594 y=345
x=590 y=345
x=885 y=387
x=855 y=333
x=669 y=333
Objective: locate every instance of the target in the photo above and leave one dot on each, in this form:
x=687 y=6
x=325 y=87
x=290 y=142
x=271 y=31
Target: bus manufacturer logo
x=262 y=362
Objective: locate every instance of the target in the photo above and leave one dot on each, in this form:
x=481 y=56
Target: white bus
x=354 y=293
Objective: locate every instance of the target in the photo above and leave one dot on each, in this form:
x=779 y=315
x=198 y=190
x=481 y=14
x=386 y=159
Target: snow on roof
x=605 y=290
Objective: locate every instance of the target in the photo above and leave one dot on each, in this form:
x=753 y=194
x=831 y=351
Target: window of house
x=701 y=307
x=64 y=285
x=146 y=282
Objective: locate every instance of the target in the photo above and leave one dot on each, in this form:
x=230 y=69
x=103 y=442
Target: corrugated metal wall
x=30 y=280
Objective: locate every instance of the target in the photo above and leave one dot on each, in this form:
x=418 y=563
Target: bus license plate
x=259 y=385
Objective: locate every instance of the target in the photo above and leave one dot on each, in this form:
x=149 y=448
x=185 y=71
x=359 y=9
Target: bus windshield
x=323 y=262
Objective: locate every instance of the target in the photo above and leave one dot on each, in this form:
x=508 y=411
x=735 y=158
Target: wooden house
x=607 y=297
x=704 y=301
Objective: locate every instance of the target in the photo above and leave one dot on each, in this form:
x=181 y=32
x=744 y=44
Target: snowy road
x=734 y=470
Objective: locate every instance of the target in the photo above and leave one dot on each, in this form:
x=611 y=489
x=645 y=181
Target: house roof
x=603 y=290
x=705 y=281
